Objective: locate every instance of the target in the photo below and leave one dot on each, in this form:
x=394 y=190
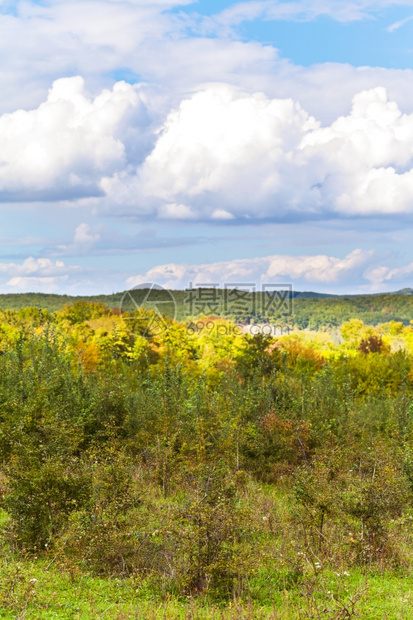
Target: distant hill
x=312 y=295
x=52 y=302
x=404 y=291
x=305 y=310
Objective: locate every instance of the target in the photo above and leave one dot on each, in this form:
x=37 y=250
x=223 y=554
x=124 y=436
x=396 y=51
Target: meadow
x=189 y=473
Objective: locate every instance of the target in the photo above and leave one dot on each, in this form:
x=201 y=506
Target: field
x=153 y=470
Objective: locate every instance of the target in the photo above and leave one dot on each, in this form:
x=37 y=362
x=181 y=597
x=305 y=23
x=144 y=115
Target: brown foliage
x=373 y=344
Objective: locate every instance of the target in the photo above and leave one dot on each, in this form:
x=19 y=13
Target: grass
x=282 y=587
x=32 y=589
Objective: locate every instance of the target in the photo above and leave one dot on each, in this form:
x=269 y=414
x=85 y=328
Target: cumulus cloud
x=62 y=149
x=83 y=241
x=55 y=276
x=221 y=143
x=316 y=270
x=383 y=274
x=41 y=274
x=175 y=211
x=223 y=155
x=226 y=154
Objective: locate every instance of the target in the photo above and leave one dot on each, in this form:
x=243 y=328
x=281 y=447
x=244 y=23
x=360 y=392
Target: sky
x=213 y=142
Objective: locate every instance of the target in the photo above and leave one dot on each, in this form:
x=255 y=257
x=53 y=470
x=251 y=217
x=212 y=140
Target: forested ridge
x=165 y=470
x=306 y=311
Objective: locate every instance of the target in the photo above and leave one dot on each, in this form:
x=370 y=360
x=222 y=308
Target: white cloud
x=42 y=284
x=300 y=10
x=221 y=214
x=64 y=147
x=55 y=276
x=399 y=24
x=101 y=39
x=32 y=266
x=40 y=274
x=318 y=270
x=84 y=236
x=296 y=151
x=223 y=154
x=98 y=38
x=383 y=274
x=175 y=211
x=228 y=154
x=83 y=241
x=326 y=89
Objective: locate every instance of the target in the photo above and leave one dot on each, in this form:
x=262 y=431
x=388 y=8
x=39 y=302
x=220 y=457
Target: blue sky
x=369 y=41
x=177 y=142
